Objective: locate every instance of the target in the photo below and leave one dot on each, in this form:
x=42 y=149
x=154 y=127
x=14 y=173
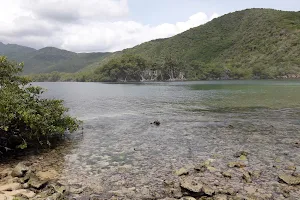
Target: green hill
x=248 y=39
x=252 y=43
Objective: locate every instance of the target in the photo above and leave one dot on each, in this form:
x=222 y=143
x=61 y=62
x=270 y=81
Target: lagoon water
x=199 y=120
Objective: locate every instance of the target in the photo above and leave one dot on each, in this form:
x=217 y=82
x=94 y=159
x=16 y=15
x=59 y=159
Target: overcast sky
x=111 y=25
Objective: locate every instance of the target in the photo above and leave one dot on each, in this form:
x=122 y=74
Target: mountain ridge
x=49 y=59
x=263 y=42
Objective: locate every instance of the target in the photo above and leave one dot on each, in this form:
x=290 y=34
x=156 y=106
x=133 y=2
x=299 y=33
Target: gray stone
x=241 y=153
x=227 y=174
x=208 y=190
x=220 y=197
x=191 y=185
x=36 y=183
x=10 y=187
x=250 y=190
x=247 y=177
x=19 y=171
x=236 y=164
x=187 y=198
x=181 y=171
x=297 y=171
x=290 y=180
x=57 y=196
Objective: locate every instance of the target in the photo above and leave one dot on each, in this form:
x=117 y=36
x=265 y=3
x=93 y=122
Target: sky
x=112 y=25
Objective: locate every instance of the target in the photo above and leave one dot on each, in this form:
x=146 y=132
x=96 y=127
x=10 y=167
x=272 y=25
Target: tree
x=125 y=68
x=26 y=119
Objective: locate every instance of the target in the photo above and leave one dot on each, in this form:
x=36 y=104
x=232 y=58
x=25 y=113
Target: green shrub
x=26 y=119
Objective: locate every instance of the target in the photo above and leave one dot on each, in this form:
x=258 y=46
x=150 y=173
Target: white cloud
x=73 y=10
x=82 y=26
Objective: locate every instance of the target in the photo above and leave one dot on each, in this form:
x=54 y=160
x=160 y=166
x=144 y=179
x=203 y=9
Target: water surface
x=199 y=120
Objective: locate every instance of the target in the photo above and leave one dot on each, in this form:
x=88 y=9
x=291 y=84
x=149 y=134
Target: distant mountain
x=15 y=52
x=50 y=59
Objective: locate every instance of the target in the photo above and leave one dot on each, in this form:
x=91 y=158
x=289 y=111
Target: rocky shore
x=210 y=180
x=237 y=181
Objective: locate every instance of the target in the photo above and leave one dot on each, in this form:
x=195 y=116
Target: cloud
x=76 y=10
x=82 y=26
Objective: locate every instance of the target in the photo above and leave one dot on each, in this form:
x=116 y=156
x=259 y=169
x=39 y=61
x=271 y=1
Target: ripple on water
x=120 y=149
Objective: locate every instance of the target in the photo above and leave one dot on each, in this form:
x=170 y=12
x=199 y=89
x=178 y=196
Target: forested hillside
x=253 y=43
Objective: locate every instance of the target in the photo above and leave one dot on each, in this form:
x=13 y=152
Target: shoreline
x=210 y=179
x=175 y=81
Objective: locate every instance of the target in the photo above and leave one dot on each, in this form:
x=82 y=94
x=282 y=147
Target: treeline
x=133 y=68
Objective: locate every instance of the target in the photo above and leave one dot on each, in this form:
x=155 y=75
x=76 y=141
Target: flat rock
x=208 y=190
x=227 y=174
x=250 y=190
x=5 y=173
x=36 y=183
x=187 y=198
x=191 y=185
x=247 y=177
x=205 y=166
x=20 y=170
x=26 y=193
x=243 y=158
x=241 y=153
x=47 y=175
x=10 y=187
x=256 y=174
x=290 y=180
x=220 y=197
x=181 y=171
x=297 y=171
x=236 y=164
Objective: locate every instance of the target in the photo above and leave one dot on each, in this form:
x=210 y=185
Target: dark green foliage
x=26 y=118
x=126 y=68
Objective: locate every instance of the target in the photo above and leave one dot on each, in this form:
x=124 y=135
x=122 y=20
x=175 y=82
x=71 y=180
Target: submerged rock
x=250 y=190
x=243 y=158
x=297 y=172
x=191 y=185
x=19 y=171
x=205 y=166
x=181 y=171
x=208 y=190
x=220 y=197
x=227 y=174
x=187 y=198
x=247 y=177
x=290 y=180
x=256 y=174
x=236 y=164
x=241 y=153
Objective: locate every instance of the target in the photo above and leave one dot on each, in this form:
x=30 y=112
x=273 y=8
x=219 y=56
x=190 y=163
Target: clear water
x=121 y=149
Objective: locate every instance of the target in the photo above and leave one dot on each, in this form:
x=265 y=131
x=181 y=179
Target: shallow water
x=199 y=120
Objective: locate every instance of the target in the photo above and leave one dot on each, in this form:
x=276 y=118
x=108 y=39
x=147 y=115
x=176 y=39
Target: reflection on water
x=121 y=148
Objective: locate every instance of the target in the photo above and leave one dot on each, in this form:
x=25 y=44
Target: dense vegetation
x=253 y=43
x=26 y=119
